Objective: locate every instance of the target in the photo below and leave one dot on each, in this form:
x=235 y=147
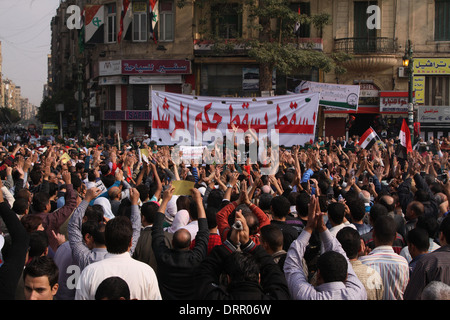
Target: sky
x=25 y=36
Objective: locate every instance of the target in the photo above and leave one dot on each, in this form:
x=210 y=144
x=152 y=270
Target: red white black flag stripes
x=125 y=19
x=368 y=139
x=297 y=24
x=405 y=137
x=94 y=24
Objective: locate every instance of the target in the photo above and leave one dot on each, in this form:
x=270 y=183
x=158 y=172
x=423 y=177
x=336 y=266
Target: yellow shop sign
x=431 y=66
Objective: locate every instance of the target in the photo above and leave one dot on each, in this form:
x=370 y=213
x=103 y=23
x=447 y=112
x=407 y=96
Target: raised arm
x=201 y=239
x=79 y=250
x=156 y=179
x=158 y=244
x=135 y=218
x=58 y=217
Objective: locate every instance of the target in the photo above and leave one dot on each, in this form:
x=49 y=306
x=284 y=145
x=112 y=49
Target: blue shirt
x=362 y=228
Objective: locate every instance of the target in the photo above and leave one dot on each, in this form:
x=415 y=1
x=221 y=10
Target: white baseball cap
x=202 y=190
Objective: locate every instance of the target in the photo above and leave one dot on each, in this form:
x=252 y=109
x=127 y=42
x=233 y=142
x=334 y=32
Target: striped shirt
x=393 y=269
x=370 y=279
x=397 y=246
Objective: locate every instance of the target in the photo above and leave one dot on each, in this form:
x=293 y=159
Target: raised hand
x=92 y=193
x=167 y=195
x=66 y=177
x=241 y=236
x=196 y=195
x=243 y=199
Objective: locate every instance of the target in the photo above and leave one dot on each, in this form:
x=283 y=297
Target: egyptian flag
x=416 y=129
x=368 y=139
x=154 y=15
x=94 y=16
x=125 y=20
x=297 y=24
x=405 y=137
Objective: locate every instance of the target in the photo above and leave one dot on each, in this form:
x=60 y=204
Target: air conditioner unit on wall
x=402 y=72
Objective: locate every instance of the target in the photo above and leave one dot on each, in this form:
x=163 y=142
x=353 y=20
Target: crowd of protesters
x=95 y=219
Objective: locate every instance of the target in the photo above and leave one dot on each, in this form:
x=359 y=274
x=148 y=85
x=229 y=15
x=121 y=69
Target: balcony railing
x=366 y=45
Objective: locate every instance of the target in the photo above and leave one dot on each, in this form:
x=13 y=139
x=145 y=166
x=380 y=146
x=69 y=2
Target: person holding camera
x=250 y=271
x=255 y=217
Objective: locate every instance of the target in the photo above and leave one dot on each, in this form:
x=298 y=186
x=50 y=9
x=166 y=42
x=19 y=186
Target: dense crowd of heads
x=381 y=196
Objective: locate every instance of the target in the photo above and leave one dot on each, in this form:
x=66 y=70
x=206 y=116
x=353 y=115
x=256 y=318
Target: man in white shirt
x=336 y=217
x=146 y=139
x=139 y=276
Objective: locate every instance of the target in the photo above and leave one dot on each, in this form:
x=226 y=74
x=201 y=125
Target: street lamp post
x=80 y=101
x=408 y=62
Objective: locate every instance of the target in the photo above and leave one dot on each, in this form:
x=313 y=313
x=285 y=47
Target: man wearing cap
x=146 y=139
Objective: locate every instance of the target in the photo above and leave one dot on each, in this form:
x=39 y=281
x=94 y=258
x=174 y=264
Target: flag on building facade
x=297 y=24
x=94 y=16
x=125 y=19
x=368 y=139
x=154 y=17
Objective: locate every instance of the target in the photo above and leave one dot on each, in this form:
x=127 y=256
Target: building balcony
x=366 y=45
x=369 y=54
x=232 y=47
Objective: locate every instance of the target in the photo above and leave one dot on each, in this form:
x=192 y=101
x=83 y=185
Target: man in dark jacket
x=279 y=208
x=177 y=266
x=14 y=259
x=251 y=274
x=144 y=251
x=52 y=221
x=422 y=194
x=433 y=266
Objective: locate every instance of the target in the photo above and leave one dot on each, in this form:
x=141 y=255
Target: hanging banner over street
x=332 y=95
x=194 y=120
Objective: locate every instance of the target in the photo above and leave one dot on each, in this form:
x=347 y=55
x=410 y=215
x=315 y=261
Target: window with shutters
x=140 y=27
x=227 y=20
x=437 y=91
x=166 y=21
x=442 y=20
x=365 y=39
x=111 y=29
x=302 y=8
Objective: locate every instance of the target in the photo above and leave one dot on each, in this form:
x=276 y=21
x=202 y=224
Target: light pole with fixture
x=408 y=63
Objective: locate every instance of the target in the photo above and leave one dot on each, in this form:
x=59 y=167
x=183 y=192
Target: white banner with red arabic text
x=293 y=117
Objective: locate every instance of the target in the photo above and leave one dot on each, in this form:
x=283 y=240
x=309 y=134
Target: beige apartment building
x=377 y=62
x=118 y=72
